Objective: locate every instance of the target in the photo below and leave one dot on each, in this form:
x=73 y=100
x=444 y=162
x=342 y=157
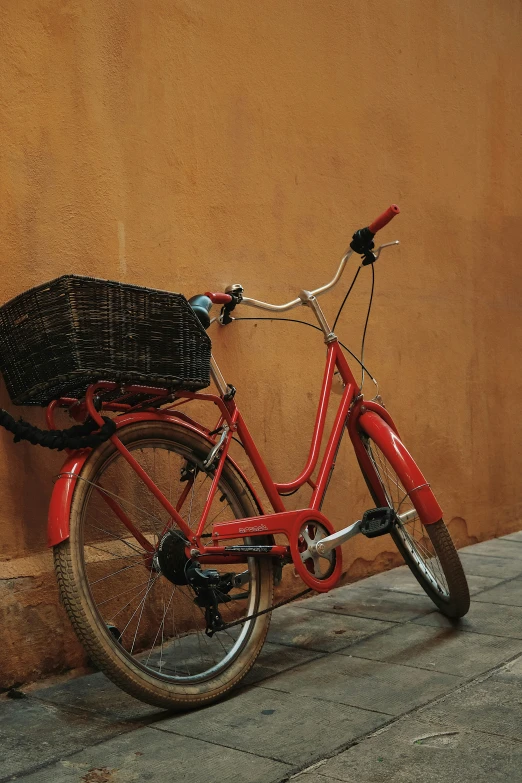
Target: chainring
x=319 y=572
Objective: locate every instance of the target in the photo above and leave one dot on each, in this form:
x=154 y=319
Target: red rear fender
x=61 y=498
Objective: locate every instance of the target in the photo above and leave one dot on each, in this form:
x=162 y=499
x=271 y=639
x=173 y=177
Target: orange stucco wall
x=186 y=144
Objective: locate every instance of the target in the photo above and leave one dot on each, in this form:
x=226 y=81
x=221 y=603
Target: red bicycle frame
x=361 y=418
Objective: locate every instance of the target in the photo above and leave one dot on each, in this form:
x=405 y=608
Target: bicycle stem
x=308 y=298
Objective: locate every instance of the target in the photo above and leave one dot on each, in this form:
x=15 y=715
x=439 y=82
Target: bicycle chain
x=265 y=611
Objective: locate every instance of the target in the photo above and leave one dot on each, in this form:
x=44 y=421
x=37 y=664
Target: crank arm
x=242 y=579
x=325 y=545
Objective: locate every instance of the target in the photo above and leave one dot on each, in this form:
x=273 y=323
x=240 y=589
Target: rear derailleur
x=211 y=589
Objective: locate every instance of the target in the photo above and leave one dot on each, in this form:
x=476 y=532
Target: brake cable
x=312 y=326
x=345 y=298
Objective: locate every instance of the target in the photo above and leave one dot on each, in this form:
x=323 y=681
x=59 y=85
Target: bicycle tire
x=445 y=583
x=96 y=635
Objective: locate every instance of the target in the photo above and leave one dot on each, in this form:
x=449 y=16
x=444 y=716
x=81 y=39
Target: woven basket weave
x=61 y=336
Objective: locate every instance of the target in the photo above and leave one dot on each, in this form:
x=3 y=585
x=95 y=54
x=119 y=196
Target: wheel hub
x=171 y=559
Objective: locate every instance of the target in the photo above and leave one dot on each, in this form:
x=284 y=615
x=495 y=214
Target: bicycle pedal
x=378 y=522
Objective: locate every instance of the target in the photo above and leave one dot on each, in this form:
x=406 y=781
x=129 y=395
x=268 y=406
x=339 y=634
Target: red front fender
x=63 y=490
x=387 y=439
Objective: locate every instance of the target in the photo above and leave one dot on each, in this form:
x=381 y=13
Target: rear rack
x=115 y=398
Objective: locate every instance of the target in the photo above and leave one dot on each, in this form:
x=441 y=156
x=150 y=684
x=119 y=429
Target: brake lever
x=388 y=244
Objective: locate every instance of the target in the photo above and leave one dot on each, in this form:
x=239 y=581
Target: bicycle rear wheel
x=428 y=550
x=134 y=610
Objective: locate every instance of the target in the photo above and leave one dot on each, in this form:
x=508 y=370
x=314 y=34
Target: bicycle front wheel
x=428 y=550
x=133 y=610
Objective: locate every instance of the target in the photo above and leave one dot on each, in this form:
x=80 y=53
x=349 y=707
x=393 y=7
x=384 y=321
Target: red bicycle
x=164 y=553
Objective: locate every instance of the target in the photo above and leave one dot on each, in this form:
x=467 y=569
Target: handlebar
x=384 y=219
x=362 y=243
x=218 y=298
x=296 y=302
x=365 y=240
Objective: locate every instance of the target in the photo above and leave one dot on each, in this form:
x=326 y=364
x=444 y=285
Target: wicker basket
x=61 y=336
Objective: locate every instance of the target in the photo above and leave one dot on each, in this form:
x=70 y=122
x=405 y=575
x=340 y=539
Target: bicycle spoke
x=142 y=511
x=124 y=592
x=161 y=627
x=113 y=616
x=210 y=524
x=147 y=590
x=120 y=571
x=117 y=538
x=115 y=554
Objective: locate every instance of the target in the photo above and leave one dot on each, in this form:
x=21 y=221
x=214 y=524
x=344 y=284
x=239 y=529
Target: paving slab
x=491 y=706
x=276 y=658
x=496 y=547
x=150 y=755
x=437 y=649
x=372 y=602
x=513 y=536
x=371 y=685
x=411 y=750
x=482 y=618
x=32 y=734
x=298 y=626
x=282 y=726
x=511 y=671
x=483 y=567
x=401 y=580
x=96 y=694
x=398 y=579
x=478 y=583
x=508 y=593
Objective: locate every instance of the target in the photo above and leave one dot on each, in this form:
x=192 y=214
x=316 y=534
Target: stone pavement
x=367 y=683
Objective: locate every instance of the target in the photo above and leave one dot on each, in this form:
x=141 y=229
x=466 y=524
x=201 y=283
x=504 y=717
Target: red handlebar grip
x=218 y=298
x=384 y=219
